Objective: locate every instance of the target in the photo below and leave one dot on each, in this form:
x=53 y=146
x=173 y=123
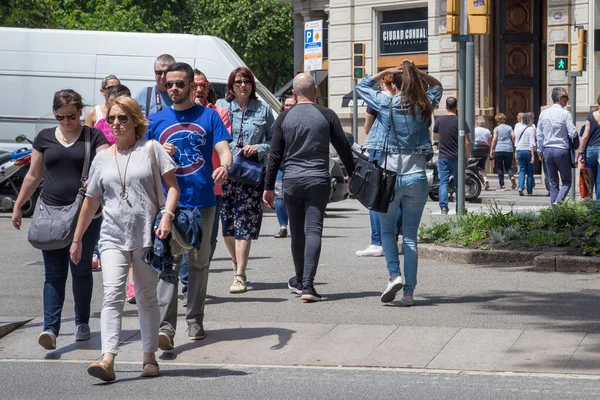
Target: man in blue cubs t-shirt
x=189 y=132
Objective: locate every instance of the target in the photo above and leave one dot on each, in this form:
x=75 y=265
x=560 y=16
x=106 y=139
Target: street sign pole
x=462 y=106
x=354 y=111
x=573 y=97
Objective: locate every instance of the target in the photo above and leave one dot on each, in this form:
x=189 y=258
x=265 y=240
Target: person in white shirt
x=526 y=148
x=483 y=135
x=555 y=132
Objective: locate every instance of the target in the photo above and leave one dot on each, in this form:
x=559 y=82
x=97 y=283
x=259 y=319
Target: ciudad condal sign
x=404 y=37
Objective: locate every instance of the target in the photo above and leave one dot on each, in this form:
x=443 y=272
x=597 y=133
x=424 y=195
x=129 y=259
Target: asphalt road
x=47 y=380
x=503 y=296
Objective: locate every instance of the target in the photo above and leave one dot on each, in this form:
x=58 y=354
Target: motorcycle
x=13 y=168
x=473 y=181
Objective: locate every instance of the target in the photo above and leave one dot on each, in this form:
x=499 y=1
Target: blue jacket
x=257 y=126
x=409 y=135
x=189 y=225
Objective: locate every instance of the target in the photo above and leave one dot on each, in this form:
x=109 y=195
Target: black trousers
x=306 y=199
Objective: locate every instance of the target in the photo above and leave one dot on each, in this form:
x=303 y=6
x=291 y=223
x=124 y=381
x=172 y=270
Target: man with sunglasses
x=205 y=96
x=189 y=132
x=155 y=98
x=554 y=136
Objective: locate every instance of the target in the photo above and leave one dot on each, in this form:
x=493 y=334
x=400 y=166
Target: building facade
x=514 y=65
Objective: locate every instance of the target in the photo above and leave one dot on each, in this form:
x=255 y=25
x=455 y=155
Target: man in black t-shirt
x=445 y=132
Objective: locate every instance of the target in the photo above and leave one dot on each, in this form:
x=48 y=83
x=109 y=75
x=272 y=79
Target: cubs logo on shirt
x=188 y=138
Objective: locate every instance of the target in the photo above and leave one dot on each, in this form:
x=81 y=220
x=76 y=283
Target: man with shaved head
x=301 y=138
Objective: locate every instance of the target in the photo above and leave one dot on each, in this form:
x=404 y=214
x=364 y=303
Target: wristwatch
x=227 y=167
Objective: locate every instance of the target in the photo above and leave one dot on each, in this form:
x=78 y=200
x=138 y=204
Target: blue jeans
x=280 y=210
x=558 y=161
x=411 y=192
x=446 y=168
x=376 y=226
x=56 y=267
x=591 y=163
x=504 y=163
x=525 y=168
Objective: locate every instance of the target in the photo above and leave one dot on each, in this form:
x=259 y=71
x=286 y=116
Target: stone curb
x=543 y=262
x=473 y=256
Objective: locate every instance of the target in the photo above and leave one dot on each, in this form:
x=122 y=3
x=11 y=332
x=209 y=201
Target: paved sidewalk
x=429 y=348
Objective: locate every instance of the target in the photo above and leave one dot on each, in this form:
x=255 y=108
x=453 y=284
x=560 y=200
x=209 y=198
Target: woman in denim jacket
x=252 y=129
x=406 y=152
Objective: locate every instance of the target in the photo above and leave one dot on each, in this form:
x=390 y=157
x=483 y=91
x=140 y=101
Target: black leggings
x=306 y=199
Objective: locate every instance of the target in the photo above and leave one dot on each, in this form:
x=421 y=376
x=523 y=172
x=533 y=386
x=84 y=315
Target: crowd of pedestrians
x=161 y=183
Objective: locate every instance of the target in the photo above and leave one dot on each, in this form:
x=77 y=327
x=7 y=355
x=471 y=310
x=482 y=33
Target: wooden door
x=518 y=51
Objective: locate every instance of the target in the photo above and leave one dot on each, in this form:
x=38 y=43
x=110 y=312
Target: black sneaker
x=310 y=295
x=295 y=286
x=444 y=210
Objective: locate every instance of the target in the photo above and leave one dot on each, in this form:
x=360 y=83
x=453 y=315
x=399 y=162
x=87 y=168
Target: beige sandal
x=102 y=370
x=150 y=369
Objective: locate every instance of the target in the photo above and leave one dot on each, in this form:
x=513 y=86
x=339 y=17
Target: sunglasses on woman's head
x=121 y=117
x=202 y=85
x=180 y=84
x=241 y=82
x=71 y=117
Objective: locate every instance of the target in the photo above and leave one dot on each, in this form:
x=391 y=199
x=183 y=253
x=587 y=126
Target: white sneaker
x=371 y=251
x=47 y=340
x=393 y=287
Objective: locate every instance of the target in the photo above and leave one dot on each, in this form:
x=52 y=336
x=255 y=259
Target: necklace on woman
x=64 y=138
x=123 y=195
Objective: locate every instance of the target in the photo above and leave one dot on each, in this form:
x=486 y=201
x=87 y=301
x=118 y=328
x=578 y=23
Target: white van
x=35 y=63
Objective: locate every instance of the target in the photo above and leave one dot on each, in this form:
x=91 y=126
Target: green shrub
x=573 y=224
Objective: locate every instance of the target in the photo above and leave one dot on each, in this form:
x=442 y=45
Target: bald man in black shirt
x=301 y=138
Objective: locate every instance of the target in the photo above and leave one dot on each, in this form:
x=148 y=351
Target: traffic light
x=562 y=56
x=478 y=17
x=581 y=50
x=358 y=60
x=452 y=17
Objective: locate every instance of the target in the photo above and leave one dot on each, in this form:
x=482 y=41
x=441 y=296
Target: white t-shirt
x=127 y=224
x=483 y=135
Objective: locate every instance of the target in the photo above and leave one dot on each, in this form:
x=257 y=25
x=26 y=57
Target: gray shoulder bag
x=53 y=227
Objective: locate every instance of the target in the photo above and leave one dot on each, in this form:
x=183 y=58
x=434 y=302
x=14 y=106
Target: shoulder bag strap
x=148 y=97
x=158 y=99
x=387 y=137
x=240 y=140
x=88 y=149
x=155 y=173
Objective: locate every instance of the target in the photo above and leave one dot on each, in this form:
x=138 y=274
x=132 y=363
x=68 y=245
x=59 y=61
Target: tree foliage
x=260 y=31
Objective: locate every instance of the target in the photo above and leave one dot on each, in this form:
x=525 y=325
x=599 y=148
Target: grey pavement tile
x=248 y=343
x=346 y=345
x=410 y=347
x=23 y=342
x=541 y=351
x=586 y=359
x=475 y=349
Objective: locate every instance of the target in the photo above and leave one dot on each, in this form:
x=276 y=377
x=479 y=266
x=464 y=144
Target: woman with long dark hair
x=252 y=129
x=402 y=145
x=58 y=158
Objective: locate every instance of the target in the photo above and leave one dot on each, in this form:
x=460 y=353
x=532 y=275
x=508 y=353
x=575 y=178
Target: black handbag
x=53 y=227
x=372 y=185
